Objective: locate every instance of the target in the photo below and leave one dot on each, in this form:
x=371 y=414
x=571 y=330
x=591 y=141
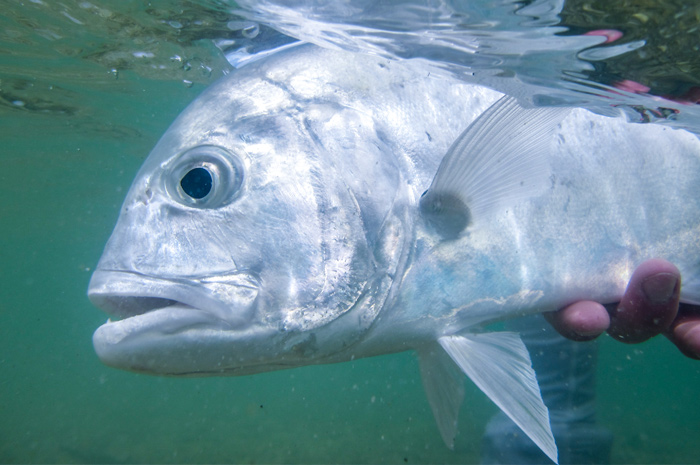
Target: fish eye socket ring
x=225 y=177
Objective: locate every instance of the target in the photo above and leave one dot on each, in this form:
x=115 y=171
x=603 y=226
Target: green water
x=62 y=179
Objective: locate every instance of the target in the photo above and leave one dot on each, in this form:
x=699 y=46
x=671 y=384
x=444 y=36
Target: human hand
x=650 y=306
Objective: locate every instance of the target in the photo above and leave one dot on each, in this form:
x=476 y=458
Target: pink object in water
x=632 y=86
x=611 y=35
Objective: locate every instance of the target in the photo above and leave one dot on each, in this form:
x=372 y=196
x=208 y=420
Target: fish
x=318 y=206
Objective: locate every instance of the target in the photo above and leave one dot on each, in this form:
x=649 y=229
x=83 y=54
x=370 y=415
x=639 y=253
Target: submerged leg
x=566 y=375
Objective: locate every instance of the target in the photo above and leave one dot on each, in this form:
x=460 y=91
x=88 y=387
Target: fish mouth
x=201 y=326
x=227 y=299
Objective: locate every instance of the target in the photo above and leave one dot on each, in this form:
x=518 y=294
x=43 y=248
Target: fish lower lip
x=168 y=320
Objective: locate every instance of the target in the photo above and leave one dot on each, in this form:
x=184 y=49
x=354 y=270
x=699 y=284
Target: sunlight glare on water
x=546 y=52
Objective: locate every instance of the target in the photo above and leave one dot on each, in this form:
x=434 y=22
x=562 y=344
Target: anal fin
x=444 y=387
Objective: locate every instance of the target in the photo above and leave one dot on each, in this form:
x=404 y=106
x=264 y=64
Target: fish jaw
x=166 y=326
x=220 y=325
x=182 y=341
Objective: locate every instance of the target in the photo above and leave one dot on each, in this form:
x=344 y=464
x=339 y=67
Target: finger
x=685 y=331
x=581 y=321
x=650 y=303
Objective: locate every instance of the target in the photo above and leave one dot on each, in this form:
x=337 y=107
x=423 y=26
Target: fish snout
x=229 y=298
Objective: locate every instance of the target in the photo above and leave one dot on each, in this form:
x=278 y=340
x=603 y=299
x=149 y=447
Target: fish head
x=244 y=245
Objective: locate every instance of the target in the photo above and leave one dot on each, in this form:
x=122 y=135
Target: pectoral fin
x=499 y=364
x=499 y=160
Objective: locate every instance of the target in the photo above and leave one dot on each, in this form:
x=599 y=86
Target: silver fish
x=318 y=206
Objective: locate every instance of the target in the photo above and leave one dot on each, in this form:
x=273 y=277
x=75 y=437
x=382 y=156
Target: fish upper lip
x=125 y=294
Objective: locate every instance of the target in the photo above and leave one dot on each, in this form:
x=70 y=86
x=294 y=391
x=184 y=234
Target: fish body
x=312 y=207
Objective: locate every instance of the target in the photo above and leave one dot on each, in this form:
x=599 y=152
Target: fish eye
x=206 y=176
x=196 y=183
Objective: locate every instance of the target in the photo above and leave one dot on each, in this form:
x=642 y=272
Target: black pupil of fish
x=196 y=183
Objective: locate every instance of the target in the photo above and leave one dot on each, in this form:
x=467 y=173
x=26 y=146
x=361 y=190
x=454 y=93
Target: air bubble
x=205 y=70
x=251 y=32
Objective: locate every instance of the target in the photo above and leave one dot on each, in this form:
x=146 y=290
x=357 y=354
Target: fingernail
x=660 y=288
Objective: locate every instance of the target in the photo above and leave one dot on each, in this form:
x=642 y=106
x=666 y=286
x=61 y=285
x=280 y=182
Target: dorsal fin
x=499 y=160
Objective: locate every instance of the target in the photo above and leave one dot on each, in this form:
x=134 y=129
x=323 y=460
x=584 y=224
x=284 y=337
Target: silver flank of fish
x=352 y=206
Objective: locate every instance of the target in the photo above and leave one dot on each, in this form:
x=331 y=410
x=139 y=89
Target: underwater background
x=86 y=90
